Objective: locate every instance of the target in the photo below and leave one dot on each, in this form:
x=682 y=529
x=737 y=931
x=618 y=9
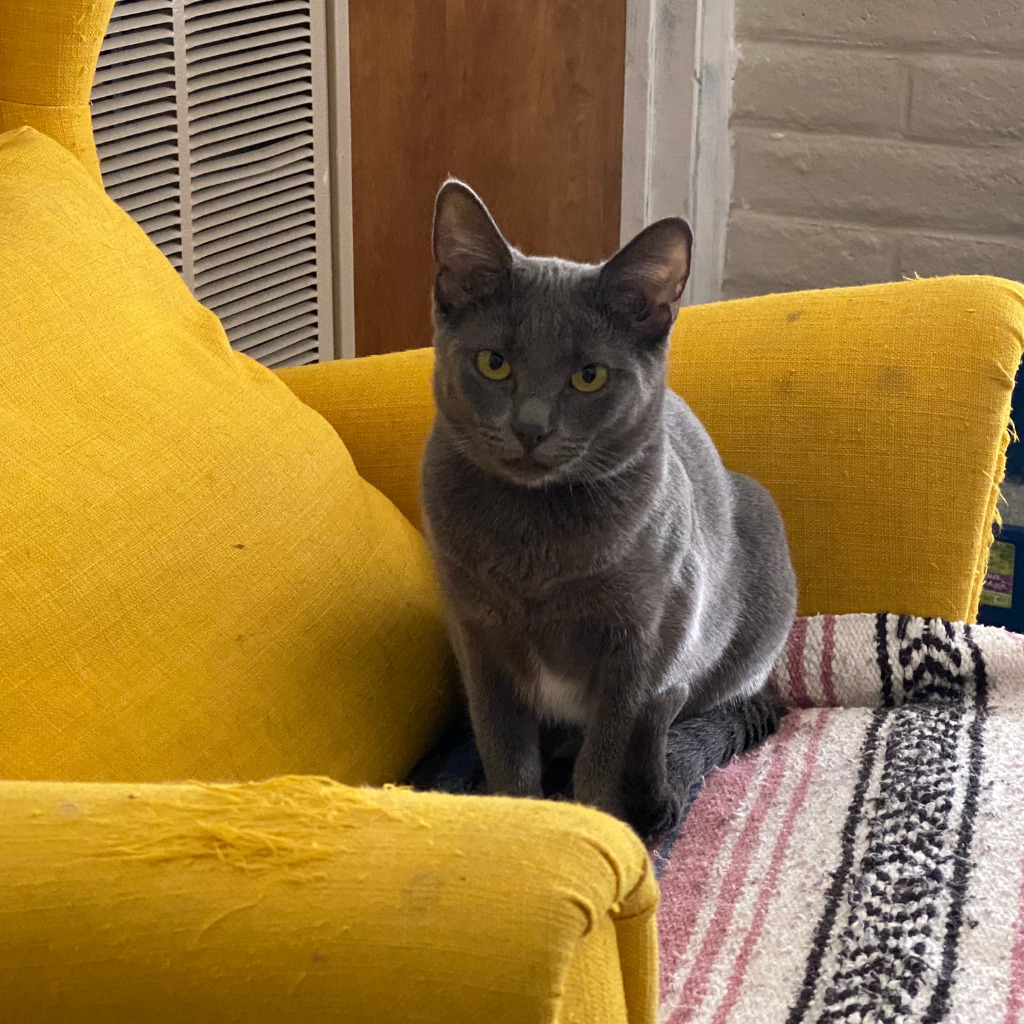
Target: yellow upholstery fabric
x=194 y=581
x=382 y=408
x=301 y=901
x=876 y=416
x=48 y=51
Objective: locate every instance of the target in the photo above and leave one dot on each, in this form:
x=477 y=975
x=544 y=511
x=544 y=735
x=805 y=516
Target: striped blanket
x=866 y=864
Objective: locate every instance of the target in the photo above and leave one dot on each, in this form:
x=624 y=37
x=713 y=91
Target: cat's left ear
x=646 y=277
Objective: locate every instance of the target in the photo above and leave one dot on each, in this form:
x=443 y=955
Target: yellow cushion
x=876 y=416
x=296 y=902
x=194 y=581
x=48 y=51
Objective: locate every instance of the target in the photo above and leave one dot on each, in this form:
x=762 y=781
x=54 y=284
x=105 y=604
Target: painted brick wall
x=875 y=139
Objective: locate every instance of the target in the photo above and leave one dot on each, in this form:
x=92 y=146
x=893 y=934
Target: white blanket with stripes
x=867 y=863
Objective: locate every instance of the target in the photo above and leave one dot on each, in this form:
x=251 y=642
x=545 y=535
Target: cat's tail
x=696 y=745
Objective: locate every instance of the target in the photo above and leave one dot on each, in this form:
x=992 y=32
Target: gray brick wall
x=874 y=140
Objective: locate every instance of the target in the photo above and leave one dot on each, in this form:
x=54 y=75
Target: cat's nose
x=532 y=423
x=530 y=436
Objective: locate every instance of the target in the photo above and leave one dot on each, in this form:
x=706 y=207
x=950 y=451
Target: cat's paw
x=654 y=816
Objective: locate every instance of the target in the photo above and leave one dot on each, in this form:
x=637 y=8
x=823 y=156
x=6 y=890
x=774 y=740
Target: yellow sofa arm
x=876 y=416
x=301 y=900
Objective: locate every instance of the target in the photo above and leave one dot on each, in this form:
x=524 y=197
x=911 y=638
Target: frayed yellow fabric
x=995 y=519
x=300 y=900
x=48 y=51
x=876 y=416
x=195 y=581
x=283 y=823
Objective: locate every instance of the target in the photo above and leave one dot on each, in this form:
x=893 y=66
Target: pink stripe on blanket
x=767 y=891
x=1016 y=996
x=705 y=830
x=795 y=647
x=696 y=984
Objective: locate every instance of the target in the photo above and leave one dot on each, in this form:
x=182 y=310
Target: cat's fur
x=601 y=567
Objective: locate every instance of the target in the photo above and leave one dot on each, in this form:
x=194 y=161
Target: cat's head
x=548 y=370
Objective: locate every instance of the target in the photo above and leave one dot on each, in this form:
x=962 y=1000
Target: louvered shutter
x=135 y=121
x=210 y=121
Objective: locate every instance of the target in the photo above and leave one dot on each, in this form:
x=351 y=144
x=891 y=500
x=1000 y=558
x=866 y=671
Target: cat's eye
x=493 y=365
x=591 y=378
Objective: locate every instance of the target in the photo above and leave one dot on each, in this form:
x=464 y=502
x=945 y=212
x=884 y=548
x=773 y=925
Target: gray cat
x=602 y=569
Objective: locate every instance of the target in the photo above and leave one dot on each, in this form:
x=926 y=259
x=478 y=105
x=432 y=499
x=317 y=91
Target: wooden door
x=522 y=99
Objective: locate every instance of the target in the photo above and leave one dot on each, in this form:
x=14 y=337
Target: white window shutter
x=211 y=125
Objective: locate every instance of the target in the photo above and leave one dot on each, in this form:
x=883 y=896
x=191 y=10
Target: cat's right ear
x=471 y=256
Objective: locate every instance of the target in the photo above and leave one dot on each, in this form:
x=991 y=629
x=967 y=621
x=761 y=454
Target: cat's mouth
x=528 y=463
x=528 y=469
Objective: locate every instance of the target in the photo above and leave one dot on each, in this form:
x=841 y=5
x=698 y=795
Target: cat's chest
x=556 y=696
x=530 y=562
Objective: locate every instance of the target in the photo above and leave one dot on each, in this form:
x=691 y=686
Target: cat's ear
x=471 y=256
x=646 y=277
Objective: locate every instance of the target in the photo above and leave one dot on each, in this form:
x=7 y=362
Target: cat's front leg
x=652 y=804
x=621 y=765
x=507 y=732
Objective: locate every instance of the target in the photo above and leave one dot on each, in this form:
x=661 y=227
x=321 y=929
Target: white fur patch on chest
x=558 y=698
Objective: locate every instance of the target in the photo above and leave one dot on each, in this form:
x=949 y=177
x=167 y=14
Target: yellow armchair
x=302 y=900
x=144 y=638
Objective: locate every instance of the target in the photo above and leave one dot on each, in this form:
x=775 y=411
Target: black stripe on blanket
x=885 y=947
x=939 y=1004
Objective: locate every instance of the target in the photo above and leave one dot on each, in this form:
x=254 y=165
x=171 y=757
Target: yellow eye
x=492 y=365
x=591 y=378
